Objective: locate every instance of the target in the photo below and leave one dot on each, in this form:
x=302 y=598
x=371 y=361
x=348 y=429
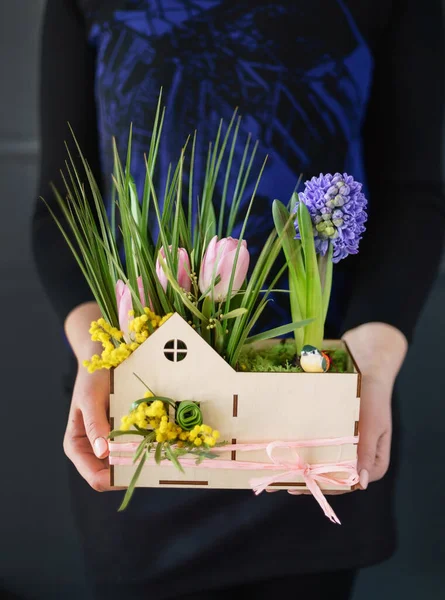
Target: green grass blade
x=241 y=237
x=190 y=194
x=227 y=179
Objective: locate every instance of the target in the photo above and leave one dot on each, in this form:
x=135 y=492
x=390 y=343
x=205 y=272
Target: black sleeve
x=66 y=96
x=401 y=250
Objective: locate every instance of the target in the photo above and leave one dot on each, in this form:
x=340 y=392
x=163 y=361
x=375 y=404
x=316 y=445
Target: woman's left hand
x=379 y=350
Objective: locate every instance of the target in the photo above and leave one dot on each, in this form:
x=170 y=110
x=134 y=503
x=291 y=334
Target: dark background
x=39 y=550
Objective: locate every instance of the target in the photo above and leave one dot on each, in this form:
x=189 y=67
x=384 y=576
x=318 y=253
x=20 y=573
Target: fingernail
x=100 y=447
x=364 y=478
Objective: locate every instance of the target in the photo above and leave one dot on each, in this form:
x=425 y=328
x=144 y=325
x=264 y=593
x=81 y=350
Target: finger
x=78 y=449
x=383 y=454
x=367 y=450
x=94 y=470
x=96 y=425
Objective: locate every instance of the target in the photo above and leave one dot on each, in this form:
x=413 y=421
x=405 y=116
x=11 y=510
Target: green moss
x=281 y=358
x=339 y=361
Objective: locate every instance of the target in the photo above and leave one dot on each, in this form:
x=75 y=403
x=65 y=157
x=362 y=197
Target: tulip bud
x=183 y=273
x=125 y=304
x=219 y=260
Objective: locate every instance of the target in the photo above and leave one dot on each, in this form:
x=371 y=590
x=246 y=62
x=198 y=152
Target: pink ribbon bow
x=311 y=474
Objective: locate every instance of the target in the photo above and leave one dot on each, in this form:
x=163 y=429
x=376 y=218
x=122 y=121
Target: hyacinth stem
x=325 y=268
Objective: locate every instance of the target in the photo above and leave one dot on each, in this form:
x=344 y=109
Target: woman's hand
x=379 y=350
x=85 y=441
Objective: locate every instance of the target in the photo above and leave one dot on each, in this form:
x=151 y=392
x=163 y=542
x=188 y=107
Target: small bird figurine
x=314 y=361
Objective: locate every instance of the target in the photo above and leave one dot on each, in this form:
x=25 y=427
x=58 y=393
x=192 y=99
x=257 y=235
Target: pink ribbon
x=311 y=474
x=322 y=473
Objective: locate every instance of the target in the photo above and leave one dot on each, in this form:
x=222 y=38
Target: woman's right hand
x=85 y=442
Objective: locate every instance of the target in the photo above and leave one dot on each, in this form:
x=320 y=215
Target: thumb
x=367 y=449
x=97 y=427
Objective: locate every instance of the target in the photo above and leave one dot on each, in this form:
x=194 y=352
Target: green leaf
x=119 y=432
x=236 y=312
x=171 y=455
x=141 y=448
x=134 y=479
x=325 y=267
x=163 y=399
x=158 y=452
x=284 y=224
x=220 y=337
x=278 y=331
x=137 y=402
x=314 y=309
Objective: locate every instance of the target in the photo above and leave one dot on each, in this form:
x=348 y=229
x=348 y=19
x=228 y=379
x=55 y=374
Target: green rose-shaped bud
x=188 y=415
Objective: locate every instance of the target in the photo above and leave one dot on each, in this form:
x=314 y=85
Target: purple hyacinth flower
x=337 y=207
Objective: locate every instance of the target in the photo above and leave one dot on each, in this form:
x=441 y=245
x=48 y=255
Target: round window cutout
x=175 y=350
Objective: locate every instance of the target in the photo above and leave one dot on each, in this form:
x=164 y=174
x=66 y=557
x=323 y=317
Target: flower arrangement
x=194 y=266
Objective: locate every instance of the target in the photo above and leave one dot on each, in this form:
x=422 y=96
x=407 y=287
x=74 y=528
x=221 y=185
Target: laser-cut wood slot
x=173 y=482
x=356 y=425
x=112 y=466
x=235 y=405
x=233 y=456
x=287 y=484
x=112 y=381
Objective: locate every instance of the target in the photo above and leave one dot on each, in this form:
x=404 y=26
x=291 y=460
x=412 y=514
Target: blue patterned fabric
x=302 y=98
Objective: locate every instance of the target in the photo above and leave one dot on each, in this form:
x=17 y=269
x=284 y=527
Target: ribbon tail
x=321 y=499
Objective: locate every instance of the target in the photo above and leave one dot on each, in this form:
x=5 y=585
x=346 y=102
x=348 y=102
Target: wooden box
x=245 y=407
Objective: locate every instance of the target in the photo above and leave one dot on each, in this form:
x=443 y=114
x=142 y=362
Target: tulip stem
x=207 y=312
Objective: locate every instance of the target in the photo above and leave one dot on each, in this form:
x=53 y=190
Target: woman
x=325 y=85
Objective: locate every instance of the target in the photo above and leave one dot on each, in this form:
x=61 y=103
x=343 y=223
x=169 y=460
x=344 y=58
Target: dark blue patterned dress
x=325 y=86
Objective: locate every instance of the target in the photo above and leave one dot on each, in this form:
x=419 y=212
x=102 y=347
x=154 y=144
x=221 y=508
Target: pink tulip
x=218 y=260
x=125 y=303
x=183 y=274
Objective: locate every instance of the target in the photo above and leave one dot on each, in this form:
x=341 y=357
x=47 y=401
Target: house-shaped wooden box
x=245 y=407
